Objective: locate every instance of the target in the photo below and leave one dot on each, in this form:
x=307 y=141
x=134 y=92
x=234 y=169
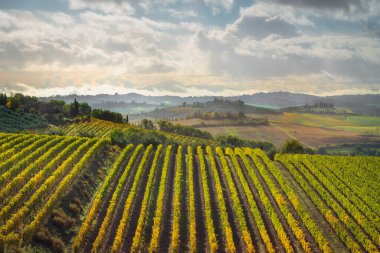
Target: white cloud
x=268 y=47
x=219 y=5
x=182 y=13
x=104 y=6
x=274 y=11
x=56 y=40
x=226 y=4
x=262 y=20
x=328 y=47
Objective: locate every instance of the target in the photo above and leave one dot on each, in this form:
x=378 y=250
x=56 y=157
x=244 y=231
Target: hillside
x=103 y=129
x=11 y=121
x=135 y=103
x=216 y=106
x=61 y=193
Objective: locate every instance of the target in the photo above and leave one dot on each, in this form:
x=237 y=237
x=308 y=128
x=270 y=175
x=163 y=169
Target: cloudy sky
x=189 y=47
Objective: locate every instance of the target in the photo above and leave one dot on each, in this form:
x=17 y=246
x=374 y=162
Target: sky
x=189 y=47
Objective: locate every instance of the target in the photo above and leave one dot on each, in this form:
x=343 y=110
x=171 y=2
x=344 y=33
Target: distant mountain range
x=364 y=104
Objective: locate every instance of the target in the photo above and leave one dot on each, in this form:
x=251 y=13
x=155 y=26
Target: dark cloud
x=345 y=5
x=358 y=69
x=13 y=87
x=11 y=56
x=373 y=27
x=256 y=68
x=268 y=59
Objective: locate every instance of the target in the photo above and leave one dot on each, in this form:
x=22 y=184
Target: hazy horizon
x=184 y=96
x=189 y=48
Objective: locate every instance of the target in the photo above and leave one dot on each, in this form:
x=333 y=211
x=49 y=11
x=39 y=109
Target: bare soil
x=280 y=130
x=214 y=206
x=79 y=194
x=251 y=222
x=184 y=221
x=267 y=221
x=103 y=208
x=136 y=206
x=324 y=202
x=166 y=226
x=118 y=211
x=237 y=236
x=152 y=202
x=199 y=208
x=334 y=241
x=308 y=236
x=333 y=197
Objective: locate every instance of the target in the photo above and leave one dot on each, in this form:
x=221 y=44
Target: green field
x=358 y=124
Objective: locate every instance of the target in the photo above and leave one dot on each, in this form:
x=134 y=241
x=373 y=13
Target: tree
x=230 y=141
x=126 y=119
x=107 y=115
x=85 y=109
x=3 y=99
x=147 y=124
x=13 y=102
x=66 y=109
x=292 y=146
x=74 y=108
x=59 y=103
x=25 y=100
x=56 y=106
x=322 y=151
x=182 y=130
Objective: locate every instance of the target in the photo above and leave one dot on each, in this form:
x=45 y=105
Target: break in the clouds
x=190 y=47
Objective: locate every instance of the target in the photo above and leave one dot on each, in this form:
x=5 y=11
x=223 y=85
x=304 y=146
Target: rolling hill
x=364 y=104
x=12 y=121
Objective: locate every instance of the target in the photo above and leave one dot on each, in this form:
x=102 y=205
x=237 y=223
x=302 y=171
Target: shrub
x=123 y=138
x=229 y=141
x=62 y=220
x=292 y=146
x=58 y=245
x=154 y=138
x=183 y=130
x=84 y=133
x=44 y=237
x=136 y=136
x=74 y=208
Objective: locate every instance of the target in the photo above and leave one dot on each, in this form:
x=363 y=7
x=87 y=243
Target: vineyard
x=93 y=197
x=96 y=127
x=101 y=128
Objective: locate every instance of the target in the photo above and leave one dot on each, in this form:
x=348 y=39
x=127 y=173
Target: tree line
x=57 y=111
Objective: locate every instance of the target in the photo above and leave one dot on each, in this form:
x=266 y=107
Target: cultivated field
x=102 y=129
x=162 y=199
x=310 y=129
